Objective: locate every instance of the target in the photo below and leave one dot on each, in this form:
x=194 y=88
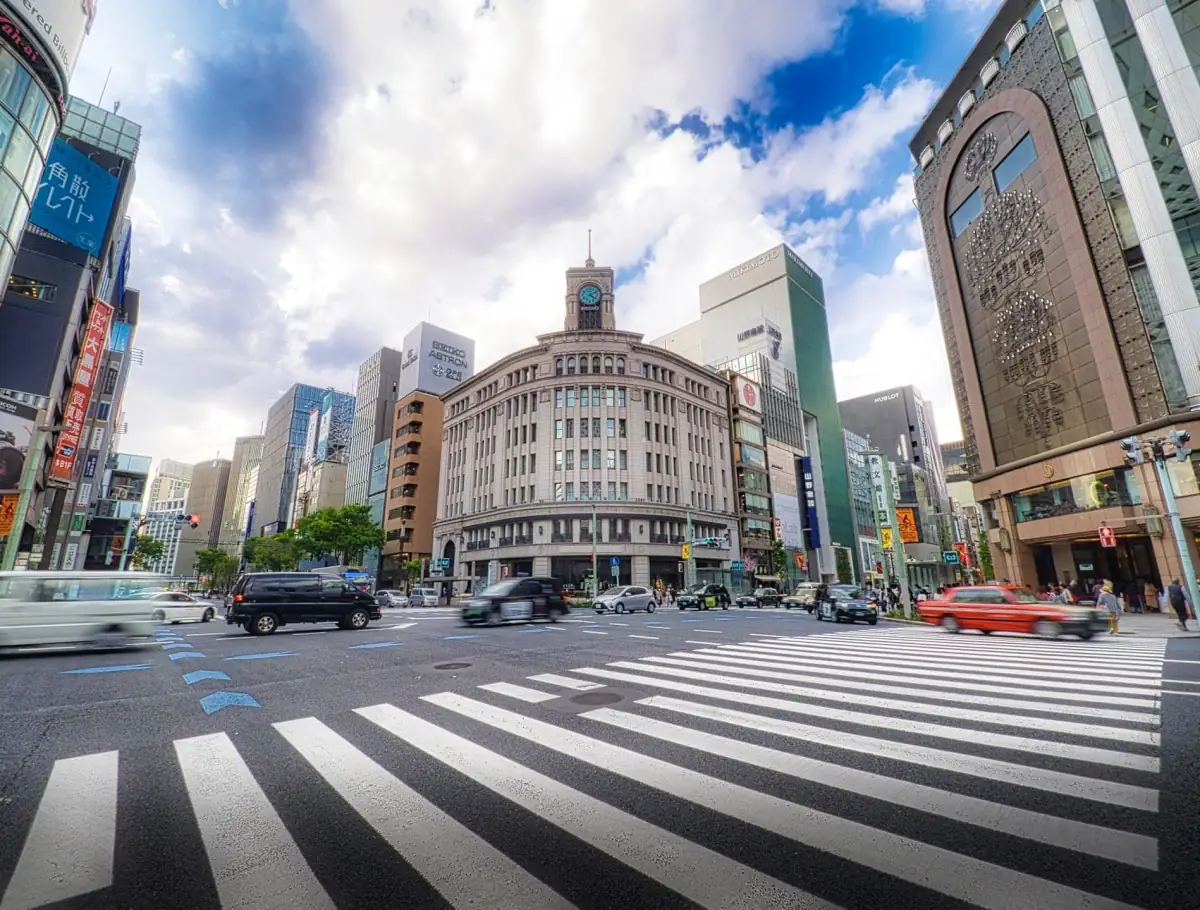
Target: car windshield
x=849 y=592
x=1024 y=596
x=765 y=591
x=499 y=588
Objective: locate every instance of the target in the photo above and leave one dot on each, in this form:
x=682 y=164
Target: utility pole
x=885 y=516
x=1136 y=452
x=595 y=573
x=689 y=574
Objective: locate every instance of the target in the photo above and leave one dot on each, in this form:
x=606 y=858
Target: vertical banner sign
x=75 y=413
x=812 y=519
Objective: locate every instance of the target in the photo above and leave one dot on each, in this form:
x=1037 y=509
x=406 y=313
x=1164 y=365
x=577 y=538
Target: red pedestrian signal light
x=1108 y=537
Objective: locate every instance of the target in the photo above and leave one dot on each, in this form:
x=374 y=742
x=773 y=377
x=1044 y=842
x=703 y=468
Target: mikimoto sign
x=59 y=26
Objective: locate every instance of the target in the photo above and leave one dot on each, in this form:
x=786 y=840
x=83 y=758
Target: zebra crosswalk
x=852 y=770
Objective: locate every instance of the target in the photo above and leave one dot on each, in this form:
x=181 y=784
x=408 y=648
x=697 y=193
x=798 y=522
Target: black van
x=264 y=601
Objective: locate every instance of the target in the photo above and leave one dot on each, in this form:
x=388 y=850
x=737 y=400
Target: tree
x=146 y=550
x=778 y=558
x=845 y=571
x=276 y=553
x=985 y=557
x=343 y=532
x=207 y=561
x=412 y=571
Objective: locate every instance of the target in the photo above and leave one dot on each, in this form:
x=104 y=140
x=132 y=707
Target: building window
x=595 y=396
x=583 y=364
x=970 y=209
x=620 y=366
x=570 y=492
x=596 y=459
x=596 y=426
x=571 y=428
x=624 y=462
x=620 y=398
x=570 y=366
x=611 y=460
x=611 y=428
x=583 y=427
x=570 y=453
x=571 y=397
x=621 y=427
x=595 y=364
x=31 y=287
x=558 y=367
x=624 y=492
x=1015 y=162
x=558 y=429
x=608 y=364
x=583 y=459
x=558 y=493
x=558 y=461
x=558 y=398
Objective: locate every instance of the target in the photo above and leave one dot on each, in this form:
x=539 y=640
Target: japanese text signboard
x=75 y=411
x=75 y=198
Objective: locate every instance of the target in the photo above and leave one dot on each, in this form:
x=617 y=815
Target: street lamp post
x=595 y=574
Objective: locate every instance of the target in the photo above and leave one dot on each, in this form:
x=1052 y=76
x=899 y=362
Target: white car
x=387 y=598
x=103 y=609
x=626 y=599
x=423 y=597
x=175 y=606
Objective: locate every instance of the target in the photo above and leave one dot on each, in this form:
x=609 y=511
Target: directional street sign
x=736 y=565
x=950 y=557
x=615 y=562
x=686 y=554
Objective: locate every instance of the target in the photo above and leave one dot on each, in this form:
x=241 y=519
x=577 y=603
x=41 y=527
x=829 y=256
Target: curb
x=910 y=622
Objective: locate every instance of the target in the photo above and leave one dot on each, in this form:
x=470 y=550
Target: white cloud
x=882 y=210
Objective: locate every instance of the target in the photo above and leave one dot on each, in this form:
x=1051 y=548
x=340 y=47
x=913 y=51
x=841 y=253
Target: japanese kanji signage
x=8 y=514
x=74 y=199
x=808 y=487
x=75 y=412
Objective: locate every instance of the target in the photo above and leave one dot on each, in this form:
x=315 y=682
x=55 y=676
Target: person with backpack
x=1177 y=597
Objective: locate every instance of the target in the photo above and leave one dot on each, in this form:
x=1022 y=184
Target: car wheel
x=651 y=607
x=494 y=618
x=555 y=613
x=950 y=624
x=620 y=608
x=264 y=624
x=820 y=618
x=357 y=620
x=208 y=615
x=1046 y=628
x=110 y=638
x=159 y=616
x=986 y=631
x=872 y=622
x=1086 y=635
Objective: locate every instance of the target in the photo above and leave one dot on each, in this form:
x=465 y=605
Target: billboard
x=18 y=423
x=75 y=412
x=907 y=520
x=787 y=515
x=749 y=395
x=435 y=360
x=59 y=26
x=808 y=488
x=74 y=199
x=379 y=467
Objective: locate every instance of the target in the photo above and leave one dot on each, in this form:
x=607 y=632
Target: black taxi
x=516 y=600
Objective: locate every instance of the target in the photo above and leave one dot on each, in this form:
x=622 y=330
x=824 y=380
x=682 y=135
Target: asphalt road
x=739 y=759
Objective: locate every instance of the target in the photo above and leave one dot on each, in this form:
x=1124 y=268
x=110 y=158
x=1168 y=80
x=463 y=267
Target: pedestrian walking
x=1178 y=598
x=1150 y=596
x=1135 y=596
x=1107 y=600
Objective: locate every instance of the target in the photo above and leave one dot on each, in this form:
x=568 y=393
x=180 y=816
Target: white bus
x=101 y=609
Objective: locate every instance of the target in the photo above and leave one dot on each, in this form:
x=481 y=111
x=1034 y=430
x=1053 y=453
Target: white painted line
x=1023 y=721
x=765 y=635
x=565 y=682
x=1174 y=692
x=967 y=650
x=611 y=623
x=965 y=878
x=691 y=641
x=1176 y=660
x=69 y=849
x=697 y=873
x=465 y=869
x=1092 y=754
x=647 y=637
x=1027 y=647
x=204 y=634
x=933 y=683
x=1181 y=682
x=255 y=862
x=1095 y=789
x=577 y=620
x=710 y=631
x=553 y=629
x=916 y=664
x=403 y=625
x=593 y=632
x=533 y=696
x=1081 y=837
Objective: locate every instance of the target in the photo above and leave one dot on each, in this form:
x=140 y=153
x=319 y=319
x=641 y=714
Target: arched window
x=608 y=364
x=558 y=367
x=570 y=366
x=620 y=366
x=583 y=362
x=595 y=364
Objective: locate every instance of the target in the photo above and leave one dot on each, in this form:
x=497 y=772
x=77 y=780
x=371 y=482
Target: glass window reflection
x=18 y=156
x=14 y=79
x=1079 y=494
x=7 y=127
x=33 y=112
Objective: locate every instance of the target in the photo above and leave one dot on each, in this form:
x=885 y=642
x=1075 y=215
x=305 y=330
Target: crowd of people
x=1140 y=595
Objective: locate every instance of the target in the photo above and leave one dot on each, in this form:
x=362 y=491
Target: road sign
x=444 y=563
x=615 y=561
x=736 y=565
x=950 y=557
x=885 y=537
x=686 y=553
x=1108 y=537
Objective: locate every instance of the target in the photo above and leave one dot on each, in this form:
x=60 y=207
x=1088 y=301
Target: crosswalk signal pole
x=595 y=573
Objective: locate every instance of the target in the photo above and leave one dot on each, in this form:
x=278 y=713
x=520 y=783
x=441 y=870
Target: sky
x=317 y=176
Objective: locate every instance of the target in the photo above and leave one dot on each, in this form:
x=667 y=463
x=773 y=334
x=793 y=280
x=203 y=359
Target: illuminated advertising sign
x=787 y=516
x=74 y=199
x=17 y=426
x=749 y=395
x=66 y=452
x=907 y=520
x=808 y=488
x=435 y=360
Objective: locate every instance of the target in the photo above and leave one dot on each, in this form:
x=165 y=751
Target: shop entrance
x=1132 y=559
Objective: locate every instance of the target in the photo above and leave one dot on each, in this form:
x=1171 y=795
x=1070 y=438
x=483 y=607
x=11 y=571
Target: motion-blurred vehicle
x=423 y=597
x=803 y=598
x=1010 y=608
x=176 y=606
x=767 y=597
x=98 y=609
x=264 y=601
x=390 y=598
x=847 y=603
x=625 y=599
x=703 y=597
x=516 y=599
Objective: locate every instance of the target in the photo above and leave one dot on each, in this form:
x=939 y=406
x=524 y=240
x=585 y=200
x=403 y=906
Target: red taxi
x=1009 y=608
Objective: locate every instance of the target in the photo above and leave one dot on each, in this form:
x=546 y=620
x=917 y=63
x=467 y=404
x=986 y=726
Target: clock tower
x=589 y=296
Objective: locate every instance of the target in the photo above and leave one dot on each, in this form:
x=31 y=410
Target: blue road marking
x=120 y=668
x=175 y=645
x=693 y=620
x=199 y=675
x=264 y=656
x=458 y=637
x=376 y=644
x=185 y=654
x=218 y=700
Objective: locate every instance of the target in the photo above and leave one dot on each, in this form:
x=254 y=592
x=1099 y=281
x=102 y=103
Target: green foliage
x=218 y=567
x=845 y=571
x=145 y=551
x=277 y=553
x=779 y=558
x=342 y=532
x=412 y=571
x=985 y=557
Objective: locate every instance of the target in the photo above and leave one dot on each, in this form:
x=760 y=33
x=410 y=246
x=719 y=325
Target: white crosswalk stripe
x=1001 y=774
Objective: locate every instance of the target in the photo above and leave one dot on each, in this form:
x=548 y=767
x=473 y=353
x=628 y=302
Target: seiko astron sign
x=435 y=360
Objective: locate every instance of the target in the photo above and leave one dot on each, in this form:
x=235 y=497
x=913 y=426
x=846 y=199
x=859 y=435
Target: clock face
x=589 y=295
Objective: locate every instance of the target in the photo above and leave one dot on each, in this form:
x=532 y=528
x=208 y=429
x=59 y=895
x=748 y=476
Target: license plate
x=517 y=609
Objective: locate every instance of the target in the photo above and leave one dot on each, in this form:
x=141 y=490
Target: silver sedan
x=626 y=599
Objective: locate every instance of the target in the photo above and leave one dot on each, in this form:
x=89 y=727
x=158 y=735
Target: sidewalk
x=1157 y=625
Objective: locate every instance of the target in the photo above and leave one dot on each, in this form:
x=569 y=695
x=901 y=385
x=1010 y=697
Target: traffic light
x=1108 y=537
x=1180 y=439
x=1132 y=447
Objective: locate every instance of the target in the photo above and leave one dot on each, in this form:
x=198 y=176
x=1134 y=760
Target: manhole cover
x=454 y=666
x=596 y=698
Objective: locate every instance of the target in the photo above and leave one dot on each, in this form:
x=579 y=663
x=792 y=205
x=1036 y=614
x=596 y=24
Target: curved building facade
x=589 y=441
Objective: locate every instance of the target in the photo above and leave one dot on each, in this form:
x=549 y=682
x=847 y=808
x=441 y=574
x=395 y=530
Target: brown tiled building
x=412 y=484
x=1057 y=209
